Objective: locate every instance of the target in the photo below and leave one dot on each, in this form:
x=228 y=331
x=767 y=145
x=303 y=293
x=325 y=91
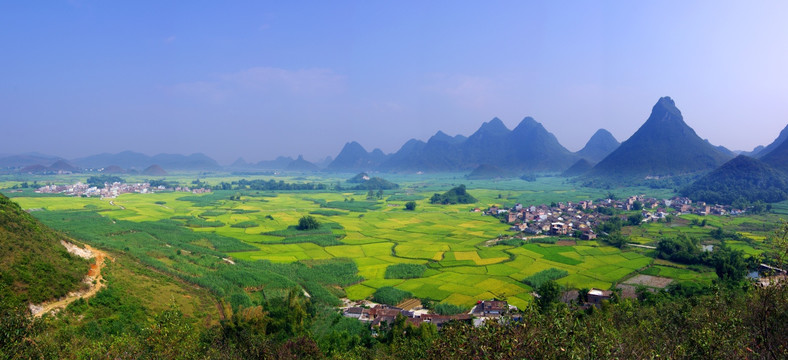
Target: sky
x=259 y=79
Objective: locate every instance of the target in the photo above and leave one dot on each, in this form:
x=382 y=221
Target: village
x=380 y=315
x=111 y=191
x=579 y=219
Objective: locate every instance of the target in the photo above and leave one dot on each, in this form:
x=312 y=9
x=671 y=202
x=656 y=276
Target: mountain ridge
x=664 y=145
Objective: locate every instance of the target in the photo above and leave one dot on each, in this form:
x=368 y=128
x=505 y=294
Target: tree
x=729 y=264
x=635 y=219
x=410 y=205
x=616 y=239
x=549 y=293
x=308 y=223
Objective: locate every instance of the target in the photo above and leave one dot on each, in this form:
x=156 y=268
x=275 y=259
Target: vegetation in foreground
x=726 y=320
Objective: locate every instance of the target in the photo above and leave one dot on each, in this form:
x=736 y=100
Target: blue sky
x=259 y=79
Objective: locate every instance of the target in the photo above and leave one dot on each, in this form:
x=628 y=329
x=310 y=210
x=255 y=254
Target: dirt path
x=120 y=206
x=643 y=246
x=94 y=280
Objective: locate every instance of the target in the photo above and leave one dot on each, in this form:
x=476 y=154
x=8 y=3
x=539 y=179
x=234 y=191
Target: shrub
x=404 y=271
x=245 y=224
x=449 y=309
x=390 y=296
x=308 y=222
x=538 y=279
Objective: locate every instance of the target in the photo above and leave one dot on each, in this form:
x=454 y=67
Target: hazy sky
x=259 y=79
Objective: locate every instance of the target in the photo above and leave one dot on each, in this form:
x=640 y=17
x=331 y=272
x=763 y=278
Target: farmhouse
x=596 y=296
x=491 y=308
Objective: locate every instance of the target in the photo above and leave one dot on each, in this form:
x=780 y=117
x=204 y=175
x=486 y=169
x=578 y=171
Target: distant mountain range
x=664 y=145
x=354 y=157
x=528 y=147
x=58 y=167
x=134 y=160
x=29 y=159
x=301 y=165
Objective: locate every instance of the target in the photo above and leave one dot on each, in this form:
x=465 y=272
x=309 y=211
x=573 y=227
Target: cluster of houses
x=378 y=315
x=110 y=190
x=193 y=191
x=579 y=219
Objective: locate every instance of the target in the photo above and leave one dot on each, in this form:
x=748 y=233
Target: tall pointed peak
x=602 y=133
x=440 y=136
x=494 y=126
x=300 y=157
x=528 y=123
x=354 y=146
x=664 y=108
x=602 y=136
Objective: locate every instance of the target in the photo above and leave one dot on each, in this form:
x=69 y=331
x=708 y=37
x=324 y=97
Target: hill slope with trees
x=742 y=179
x=34 y=265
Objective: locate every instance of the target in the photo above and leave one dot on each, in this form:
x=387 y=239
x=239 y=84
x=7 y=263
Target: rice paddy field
x=449 y=240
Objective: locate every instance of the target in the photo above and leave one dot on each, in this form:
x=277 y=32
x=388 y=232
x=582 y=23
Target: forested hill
x=741 y=180
x=34 y=266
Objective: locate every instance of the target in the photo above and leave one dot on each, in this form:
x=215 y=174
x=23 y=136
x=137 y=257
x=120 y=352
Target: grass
x=447 y=242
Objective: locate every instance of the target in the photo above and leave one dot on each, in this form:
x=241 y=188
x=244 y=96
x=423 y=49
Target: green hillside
x=742 y=179
x=34 y=266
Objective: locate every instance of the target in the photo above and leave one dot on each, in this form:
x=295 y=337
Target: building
x=491 y=308
x=596 y=296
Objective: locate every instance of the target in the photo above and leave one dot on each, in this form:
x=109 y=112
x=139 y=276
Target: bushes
x=355 y=206
x=98 y=181
x=404 y=271
x=308 y=223
x=197 y=222
x=544 y=240
x=323 y=235
x=405 y=197
x=245 y=225
x=536 y=280
x=410 y=205
x=511 y=242
x=390 y=295
x=328 y=212
x=449 y=309
x=456 y=195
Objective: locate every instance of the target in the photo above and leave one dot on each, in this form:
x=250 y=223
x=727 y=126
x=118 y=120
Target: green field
x=374 y=235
